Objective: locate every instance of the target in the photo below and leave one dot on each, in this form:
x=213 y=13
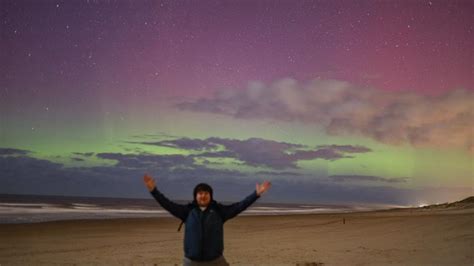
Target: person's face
x=203 y=198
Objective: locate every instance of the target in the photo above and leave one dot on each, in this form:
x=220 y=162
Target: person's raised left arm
x=232 y=210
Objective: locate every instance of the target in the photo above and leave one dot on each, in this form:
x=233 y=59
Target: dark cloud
x=358 y=178
x=19 y=163
x=261 y=152
x=22 y=174
x=28 y=175
x=11 y=151
x=346 y=148
x=218 y=154
x=85 y=154
x=187 y=144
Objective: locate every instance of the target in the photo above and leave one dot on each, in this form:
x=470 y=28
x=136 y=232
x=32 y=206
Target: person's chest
x=204 y=218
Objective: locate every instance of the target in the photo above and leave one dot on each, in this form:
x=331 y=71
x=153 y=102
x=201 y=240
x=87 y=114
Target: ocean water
x=31 y=209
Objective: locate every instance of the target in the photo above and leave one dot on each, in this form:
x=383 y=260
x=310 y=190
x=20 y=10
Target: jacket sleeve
x=232 y=210
x=178 y=210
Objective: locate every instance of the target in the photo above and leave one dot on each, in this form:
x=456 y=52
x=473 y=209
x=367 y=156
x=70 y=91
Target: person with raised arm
x=204 y=220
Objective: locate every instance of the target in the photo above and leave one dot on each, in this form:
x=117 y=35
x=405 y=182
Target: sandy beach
x=404 y=237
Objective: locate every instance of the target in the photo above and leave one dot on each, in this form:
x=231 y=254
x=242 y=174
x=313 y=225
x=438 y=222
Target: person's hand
x=149 y=182
x=261 y=188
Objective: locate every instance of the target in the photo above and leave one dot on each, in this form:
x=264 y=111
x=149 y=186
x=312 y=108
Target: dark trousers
x=219 y=261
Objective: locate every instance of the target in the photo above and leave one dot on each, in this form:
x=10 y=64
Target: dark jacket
x=204 y=233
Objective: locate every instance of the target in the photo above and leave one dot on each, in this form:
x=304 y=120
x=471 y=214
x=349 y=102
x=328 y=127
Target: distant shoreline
x=25 y=209
x=416 y=211
x=4 y=196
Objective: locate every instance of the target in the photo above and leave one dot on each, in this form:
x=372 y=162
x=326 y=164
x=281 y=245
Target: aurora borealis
x=332 y=101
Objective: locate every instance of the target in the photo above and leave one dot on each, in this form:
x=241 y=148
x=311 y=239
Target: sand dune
x=423 y=236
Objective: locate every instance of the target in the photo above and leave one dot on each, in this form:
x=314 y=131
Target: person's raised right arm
x=178 y=210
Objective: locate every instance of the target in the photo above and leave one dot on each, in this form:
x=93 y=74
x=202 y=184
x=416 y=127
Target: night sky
x=332 y=101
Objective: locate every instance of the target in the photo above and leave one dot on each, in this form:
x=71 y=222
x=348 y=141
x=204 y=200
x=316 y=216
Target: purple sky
x=374 y=91
x=193 y=48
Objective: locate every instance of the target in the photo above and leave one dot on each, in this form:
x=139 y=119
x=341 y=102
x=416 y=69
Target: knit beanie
x=202 y=187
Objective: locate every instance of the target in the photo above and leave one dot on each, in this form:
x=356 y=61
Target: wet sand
x=403 y=237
